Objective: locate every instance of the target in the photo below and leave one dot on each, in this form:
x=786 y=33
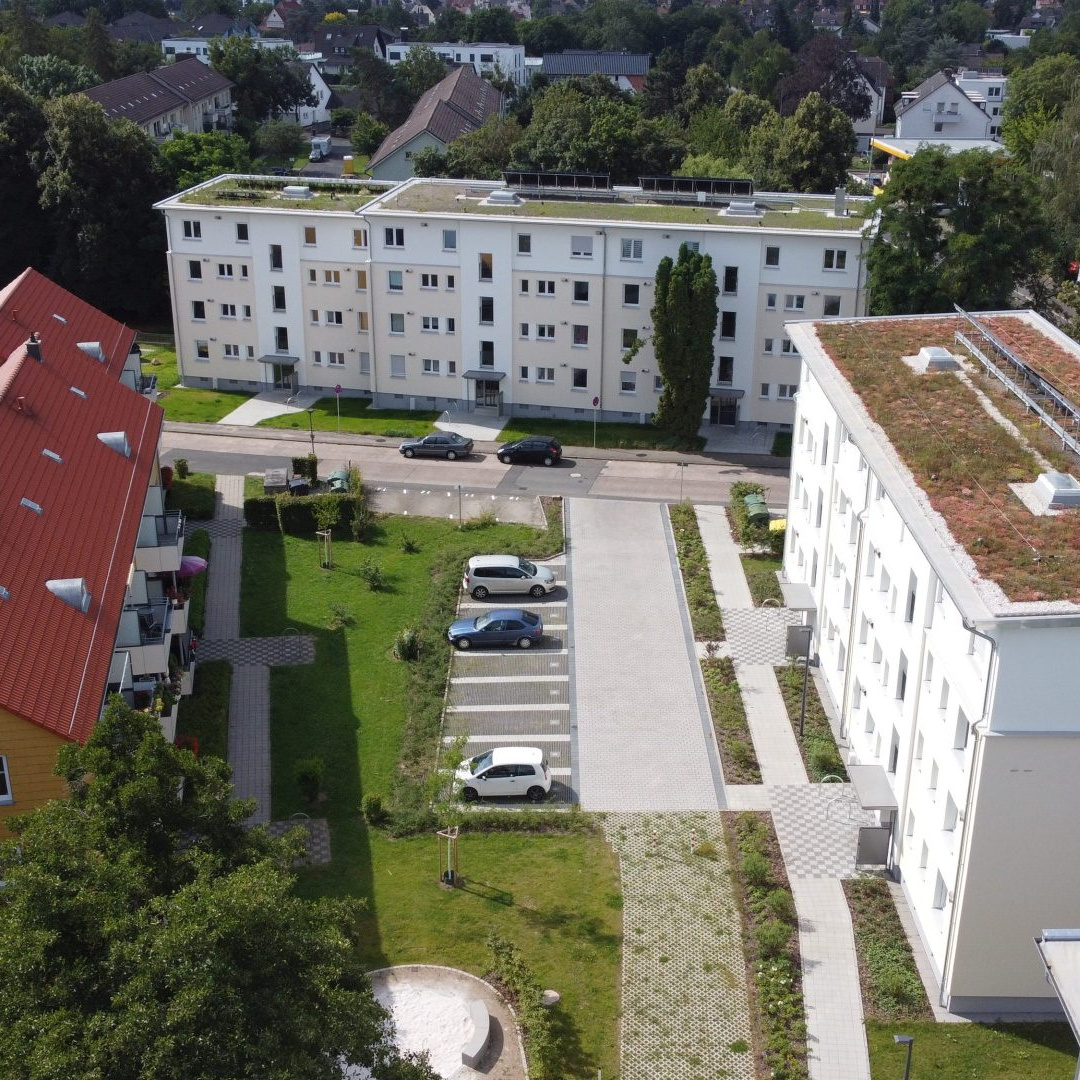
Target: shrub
x=694 y=564
x=510 y=969
x=373 y=809
x=407 y=644
x=781 y=904
x=340 y=617
x=309 y=774
x=301 y=515
x=409 y=545
x=772 y=938
x=372 y=573
x=705 y=850
x=362 y=520
x=166 y=477
x=261 y=513
x=756 y=868
x=181 y=467
x=484 y=520
x=825 y=759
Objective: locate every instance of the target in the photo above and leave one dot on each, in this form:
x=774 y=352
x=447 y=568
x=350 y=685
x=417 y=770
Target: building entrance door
x=284 y=377
x=487 y=393
x=723 y=411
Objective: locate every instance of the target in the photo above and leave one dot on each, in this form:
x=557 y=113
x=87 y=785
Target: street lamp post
x=805 y=680
x=681 y=466
x=311 y=431
x=908 y=1041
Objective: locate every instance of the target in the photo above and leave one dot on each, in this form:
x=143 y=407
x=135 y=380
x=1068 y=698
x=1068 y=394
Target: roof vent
x=77 y=392
x=94 y=350
x=932 y=358
x=60 y=318
x=4 y=594
x=742 y=208
x=72 y=590
x=33 y=348
x=840 y=202
x=31 y=505
x=296 y=191
x=52 y=455
x=501 y=197
x=1059 y=491
x=116 y=440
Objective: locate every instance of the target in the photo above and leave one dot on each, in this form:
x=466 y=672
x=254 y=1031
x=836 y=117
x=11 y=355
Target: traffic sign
x=337 y=389
x=596 y=403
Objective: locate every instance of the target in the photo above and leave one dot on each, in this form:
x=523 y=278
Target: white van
x=487 y=574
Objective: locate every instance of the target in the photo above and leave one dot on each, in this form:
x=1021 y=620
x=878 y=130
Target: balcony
x=161 y=542
x=146 y=634
x=120 y=680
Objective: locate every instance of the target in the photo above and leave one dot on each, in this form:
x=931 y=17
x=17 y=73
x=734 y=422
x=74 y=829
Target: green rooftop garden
x=343 y=196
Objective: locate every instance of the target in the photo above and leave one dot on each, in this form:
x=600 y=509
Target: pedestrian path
x=644 y=734
x=816 y=824
x=251 y=659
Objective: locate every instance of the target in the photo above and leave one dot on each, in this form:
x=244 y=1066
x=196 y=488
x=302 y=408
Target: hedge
x=295 y=514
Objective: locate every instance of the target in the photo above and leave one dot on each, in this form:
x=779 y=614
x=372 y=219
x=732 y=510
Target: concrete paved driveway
x=644 y=734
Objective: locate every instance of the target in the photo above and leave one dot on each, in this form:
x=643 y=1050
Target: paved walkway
x=816 y=824
x=632 y=643
x=251 y=659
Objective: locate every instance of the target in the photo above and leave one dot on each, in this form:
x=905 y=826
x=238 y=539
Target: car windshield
x=481 y=762
x=528 y=567
x=482 y=621
x=455 y=437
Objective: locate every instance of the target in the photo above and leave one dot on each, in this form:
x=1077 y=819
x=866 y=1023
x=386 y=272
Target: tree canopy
x=145 y=931
x=1037 y=97
x=266 y=83
x=191 y=158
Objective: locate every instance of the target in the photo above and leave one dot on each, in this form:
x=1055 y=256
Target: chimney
x=33 y=347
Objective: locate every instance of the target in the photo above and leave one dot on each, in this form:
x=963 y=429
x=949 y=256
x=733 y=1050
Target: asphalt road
x=657 y=476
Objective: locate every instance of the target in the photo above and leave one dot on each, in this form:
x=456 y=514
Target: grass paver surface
x=685 y=1004
x=555 y=895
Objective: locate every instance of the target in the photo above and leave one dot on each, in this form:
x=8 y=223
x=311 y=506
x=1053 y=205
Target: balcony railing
x=161 y=542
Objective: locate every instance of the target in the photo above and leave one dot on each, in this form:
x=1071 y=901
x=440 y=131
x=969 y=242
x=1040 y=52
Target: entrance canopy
x=478 y=373
x=726 y=392
x=797 y=595
x=872 y=787
x=279 y=359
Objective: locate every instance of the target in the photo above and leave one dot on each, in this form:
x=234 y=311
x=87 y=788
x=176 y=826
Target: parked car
x=447 y=444
x=506 y=770
x=537 y=449
x=505 y=626
x=485 y=574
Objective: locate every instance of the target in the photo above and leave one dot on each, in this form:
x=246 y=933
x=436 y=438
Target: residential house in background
x=501 y=60
x=943 y=592
x=278 y=16
x=138 y=26
x=522 y=298
x=939 y=107
x=195 y=41
x=319 y=113
x=336 y=44
x=185 y=96
x=627 y=71
x=89 y=600
x=878 y=82
x=454 y=106
x=988 y=89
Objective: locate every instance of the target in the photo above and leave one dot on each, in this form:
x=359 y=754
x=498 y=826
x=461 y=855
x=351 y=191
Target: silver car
x=486 y=574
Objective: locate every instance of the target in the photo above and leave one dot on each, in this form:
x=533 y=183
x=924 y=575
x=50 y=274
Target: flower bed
x=733 y=737
x=694 y=563
x=817 y=746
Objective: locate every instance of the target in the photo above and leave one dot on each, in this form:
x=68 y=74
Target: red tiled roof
x=55 y=658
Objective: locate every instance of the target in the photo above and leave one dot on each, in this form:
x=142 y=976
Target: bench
x=473 y=1050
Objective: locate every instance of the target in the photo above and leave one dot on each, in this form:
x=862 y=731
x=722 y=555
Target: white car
x=519 y=771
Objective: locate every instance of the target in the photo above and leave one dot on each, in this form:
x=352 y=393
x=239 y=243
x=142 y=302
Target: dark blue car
x=502 y=627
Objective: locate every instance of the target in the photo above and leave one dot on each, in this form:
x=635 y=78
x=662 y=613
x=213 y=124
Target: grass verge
x=194 y=406
x=694 y=563
x=194 y=495
x=160 y=360
x=733 y=738
x=205 y=712
x=771 y=945
x=609 y=436
x=198 y=544
x=820 y=755
x=760 y=572
x=982 y=1051
x=357 y=418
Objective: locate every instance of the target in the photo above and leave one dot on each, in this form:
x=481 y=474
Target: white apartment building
x=446 y=294
x=939 y=572
x=988 y=89
x=486 y=58
x=942 y=106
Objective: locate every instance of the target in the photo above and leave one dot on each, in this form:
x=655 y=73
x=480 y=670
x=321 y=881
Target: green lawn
x=358 y=418
x=190 y=404
x=555 y=895
x=205 y=712
x=760 y=571
x=160 y=360
x=609 y=436
x=973 y=1051
x=194 y=495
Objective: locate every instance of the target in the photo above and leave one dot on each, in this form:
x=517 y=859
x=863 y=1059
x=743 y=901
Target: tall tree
x=191 y=158
x=1058 y=163
x=108 y=240
x=484 y=153
x=266 y=82
x=146 y=932
x=1037 y=96
x=964 y=229
x=49 y=76
x=97 y=51
x=494 y=25
x=280 y=140
x=684 y=317
x=25 y=233
x=825 y=67
x=420 y=71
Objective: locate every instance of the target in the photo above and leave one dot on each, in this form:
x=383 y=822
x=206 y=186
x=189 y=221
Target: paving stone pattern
x=284 y=651
x=317 y=841
x=685 y=1002
x=818 y=829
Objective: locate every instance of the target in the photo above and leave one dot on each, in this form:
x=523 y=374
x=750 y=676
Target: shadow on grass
x=567 y=920
x=488 y=892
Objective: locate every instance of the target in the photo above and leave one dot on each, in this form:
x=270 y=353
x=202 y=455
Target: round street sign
x=337 y=389
x=596 y=403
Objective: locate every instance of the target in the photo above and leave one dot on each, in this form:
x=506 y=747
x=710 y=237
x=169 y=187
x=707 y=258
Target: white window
x=6 y=798
x=449 y=239
x=770 y=301
x=316 y=357
x=249 y=352
x=430 y=323
x=545 y=374
x=243 y=271
x=247 y=311
x=231 y=352
x=524 y=244
x=772 y=256
x=523 y=287
x=835 y=259
x=429 y=366
x=523 y=373
x=629 y=338
x=365 y=363
x=764 y=393
x=312 y=275
x=228 y=311
x=309 y=235
x=396 y=237
x=628 y=382
x=429 y=281
x=787 y=347
x=314 y=316
x=545 y=331
x=331 y=277
x=224 y=270
x=450 y=282
x=198 y=310
x=361 y=281
x=362 y=322
x=485 y=266
x=786 y=391
x=631 y=295
x=241 y=233
x=630 y=249
x=397 y=323
x=397 y=366
x=581 y=335
x=581 y=292
x=581 y=247
x=202 y=350
x=333 y=318
x=545 y=288
x=395 y=282
x=794 y=302
x=830 y=307
x=941 y=892
x=192 y=230
x=949 y=821
x=579 y=378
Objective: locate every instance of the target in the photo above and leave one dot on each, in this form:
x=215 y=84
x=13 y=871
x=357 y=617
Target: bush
x=307 y=467
x=181 y=467
x=302 y=515
x=407 y=644
x=825 y=759
x=409 y=545
x=166 y=477
x=510 y=969
x=372 y=573
x=309 y=774
x=373 y=809
x=261 y=513
x=694 y=564
x=772 y=938
x=781 y=904
x=204 y=714
x=756 y=869
x=746 y=533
